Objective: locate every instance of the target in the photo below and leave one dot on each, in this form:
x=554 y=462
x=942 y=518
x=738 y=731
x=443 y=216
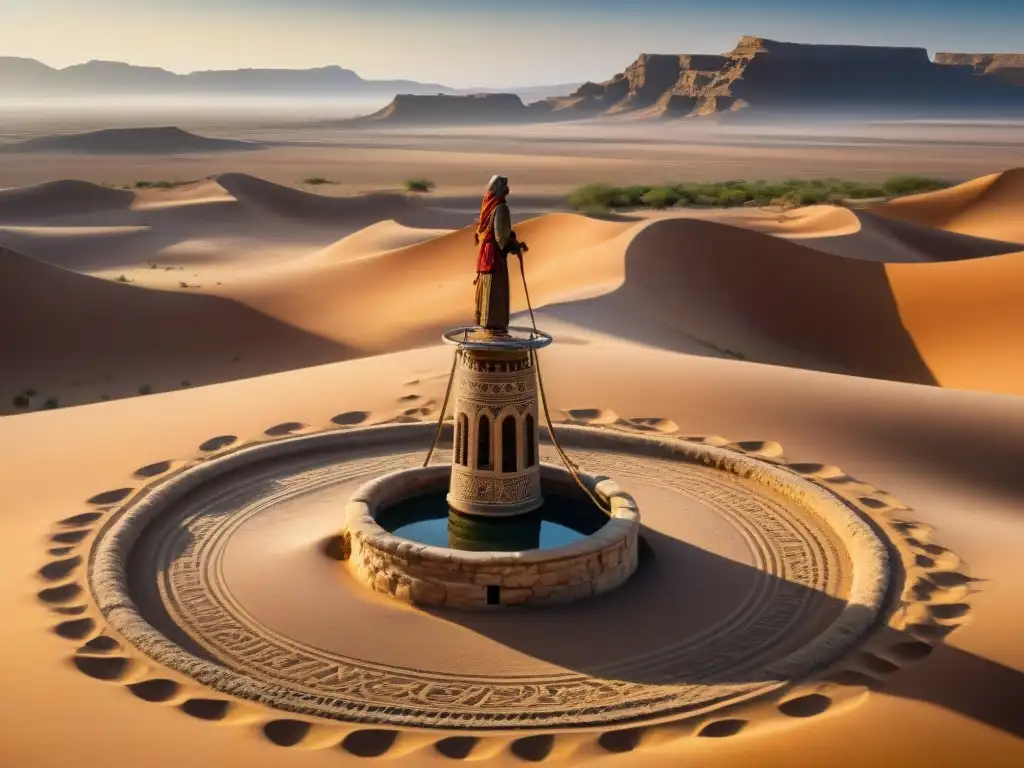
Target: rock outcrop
x=770 y=76
x=130 y=141
x=1005 y=66
x=407 y=109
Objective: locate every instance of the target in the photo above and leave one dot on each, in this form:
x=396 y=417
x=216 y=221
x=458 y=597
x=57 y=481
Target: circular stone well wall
x=435 y=576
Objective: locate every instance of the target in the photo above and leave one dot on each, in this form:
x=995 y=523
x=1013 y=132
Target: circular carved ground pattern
x=809 y=580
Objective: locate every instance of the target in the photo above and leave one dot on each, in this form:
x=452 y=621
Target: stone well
x=435 y=576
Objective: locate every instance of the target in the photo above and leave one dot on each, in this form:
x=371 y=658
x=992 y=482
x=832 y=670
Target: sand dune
x=922 y=292
x=113 y=338
x=823 y=288
x=361 y=210
x=986 y=207
x=866 y=235
x=684 y=284
x=130 y=141
x=377 y=238
x=60 y=198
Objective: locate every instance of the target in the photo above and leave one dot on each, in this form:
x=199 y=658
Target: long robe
x=492 y=287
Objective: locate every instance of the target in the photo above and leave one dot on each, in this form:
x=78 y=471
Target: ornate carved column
x=496 y=469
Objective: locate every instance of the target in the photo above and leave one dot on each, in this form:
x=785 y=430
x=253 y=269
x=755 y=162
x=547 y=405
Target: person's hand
x=476 y=279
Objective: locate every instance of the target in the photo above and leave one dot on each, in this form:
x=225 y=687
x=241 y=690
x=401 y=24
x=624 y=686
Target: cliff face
x=1008 y=67
x=768 y=75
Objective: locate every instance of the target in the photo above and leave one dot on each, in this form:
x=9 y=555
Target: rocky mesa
x=413 y=109
x=1005 y=66
x=769 y=76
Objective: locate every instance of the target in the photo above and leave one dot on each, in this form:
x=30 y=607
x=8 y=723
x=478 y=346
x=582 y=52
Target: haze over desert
x=785 y=363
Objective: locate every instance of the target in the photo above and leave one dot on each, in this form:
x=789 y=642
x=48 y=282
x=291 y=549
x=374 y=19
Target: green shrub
x=162 y=184
x=660 y=197
x=910 y=185
x=419 y=185
x=593 y=196
x=735 y=192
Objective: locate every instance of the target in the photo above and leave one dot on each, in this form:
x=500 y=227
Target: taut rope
x=444 y=406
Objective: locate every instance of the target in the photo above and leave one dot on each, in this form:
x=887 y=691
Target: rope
x=444 y=407
x=569 y=463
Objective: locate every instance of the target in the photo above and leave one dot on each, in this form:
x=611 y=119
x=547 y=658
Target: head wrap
x=497 y=189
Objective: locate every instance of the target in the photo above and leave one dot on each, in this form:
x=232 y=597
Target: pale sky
x=466 y=43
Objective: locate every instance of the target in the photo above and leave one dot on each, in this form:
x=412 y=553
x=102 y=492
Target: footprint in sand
x=619 y=742
x=62 y=594
x=112 y=668
x=76 y=629
x=533 y=749
x=806 y=706
x=722 y=728
x=60 y=569
x=86 y=518
x=152 y=470
x=111 y=497
x=912 y=650
x=655 y=424
x=351 y=418
x=949 y=611
x=69 y=537
x=369 y=743
x=457 y=747
x=592 y=415
x=158 y=690
x=765 y=448
x=286 y=733
x=100 y=645
x=218 y=443
x=206 y=709
x=288 y=428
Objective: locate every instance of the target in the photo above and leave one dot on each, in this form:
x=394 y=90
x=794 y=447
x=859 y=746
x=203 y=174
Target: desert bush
x=122 y=279
x=419 y=185
x=22 y=401
x=910 y=185
x=660 y=197
x=735 y=192
x=51 y=403
x=145 y=389
x=162 y=184
x=316 y=180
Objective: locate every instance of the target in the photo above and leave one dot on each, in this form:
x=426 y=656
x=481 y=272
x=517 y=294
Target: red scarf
x=488 y=255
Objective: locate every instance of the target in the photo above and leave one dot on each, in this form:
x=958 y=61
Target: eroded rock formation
x=769 y=75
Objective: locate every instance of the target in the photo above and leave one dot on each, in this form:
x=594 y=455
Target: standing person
x=497 y=240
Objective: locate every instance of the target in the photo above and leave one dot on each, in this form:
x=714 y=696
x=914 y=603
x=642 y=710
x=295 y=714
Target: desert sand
x=883 y=341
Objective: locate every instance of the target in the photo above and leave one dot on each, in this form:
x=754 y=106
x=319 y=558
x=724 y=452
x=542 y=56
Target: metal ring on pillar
x=480 y=340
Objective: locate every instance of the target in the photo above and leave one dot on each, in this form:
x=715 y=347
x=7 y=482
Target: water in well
x=565 y=517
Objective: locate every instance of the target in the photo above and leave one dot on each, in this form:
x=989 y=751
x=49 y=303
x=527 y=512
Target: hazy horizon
x=464 y=44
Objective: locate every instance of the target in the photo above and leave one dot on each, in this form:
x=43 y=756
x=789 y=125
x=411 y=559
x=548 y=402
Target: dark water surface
x=565 y=517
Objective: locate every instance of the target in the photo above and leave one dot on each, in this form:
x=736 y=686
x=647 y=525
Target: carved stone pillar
x=496 y=467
